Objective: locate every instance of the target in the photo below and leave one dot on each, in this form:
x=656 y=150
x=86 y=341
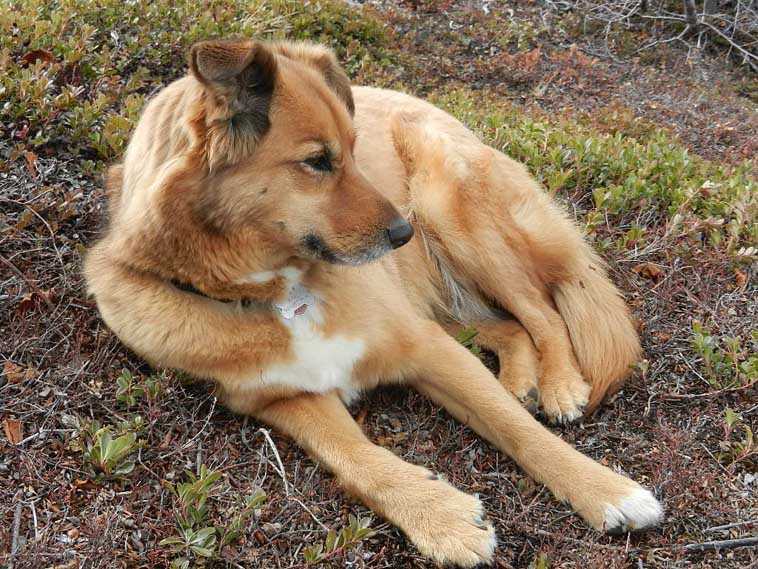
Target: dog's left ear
x=336 y=78
x=323 y=59
x=239 y=74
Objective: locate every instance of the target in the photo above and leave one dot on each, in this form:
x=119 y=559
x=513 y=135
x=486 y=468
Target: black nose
x=399 y=232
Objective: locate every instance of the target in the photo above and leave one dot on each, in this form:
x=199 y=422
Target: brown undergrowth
x=105 y=468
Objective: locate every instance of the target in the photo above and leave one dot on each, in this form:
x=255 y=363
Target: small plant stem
x=16 y=529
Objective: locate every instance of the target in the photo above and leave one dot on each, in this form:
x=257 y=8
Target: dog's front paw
x=449 y=526
x=637 y=510
x=629 y=509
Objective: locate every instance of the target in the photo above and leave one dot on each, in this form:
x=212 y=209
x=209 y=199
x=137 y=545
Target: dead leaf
x=33 y=300
x=24 y=220
x=14 y=431
x=31 y=163
x=740 y=277
x=14 y=372
x=36 y=55
x=649 y=271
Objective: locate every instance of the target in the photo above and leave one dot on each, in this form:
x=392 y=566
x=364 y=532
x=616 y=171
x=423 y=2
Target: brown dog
x=252 y=198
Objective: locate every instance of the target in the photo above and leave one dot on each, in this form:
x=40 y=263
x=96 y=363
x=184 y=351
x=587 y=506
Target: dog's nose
x=399 y=232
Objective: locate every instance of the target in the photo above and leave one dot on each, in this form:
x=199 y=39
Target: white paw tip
x=491 y=546
x=636 y=511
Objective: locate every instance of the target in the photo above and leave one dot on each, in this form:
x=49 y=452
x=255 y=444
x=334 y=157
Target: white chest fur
x=318 y=363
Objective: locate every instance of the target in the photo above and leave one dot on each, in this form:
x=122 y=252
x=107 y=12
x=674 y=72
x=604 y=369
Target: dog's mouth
x=396 y=235
x=316 y=247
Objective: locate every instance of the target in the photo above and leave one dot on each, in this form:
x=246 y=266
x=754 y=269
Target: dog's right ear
x=239 y=74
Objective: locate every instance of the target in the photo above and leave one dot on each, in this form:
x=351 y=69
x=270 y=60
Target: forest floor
x=650 y=151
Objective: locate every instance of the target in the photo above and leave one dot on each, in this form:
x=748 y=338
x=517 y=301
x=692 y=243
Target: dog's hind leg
x=491 y=224
x=519 y=359
x=501 y=268
x=451 y=375
x=444 y=523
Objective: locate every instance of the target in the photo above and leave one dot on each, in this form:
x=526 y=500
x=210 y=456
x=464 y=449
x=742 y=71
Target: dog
x=298 y=241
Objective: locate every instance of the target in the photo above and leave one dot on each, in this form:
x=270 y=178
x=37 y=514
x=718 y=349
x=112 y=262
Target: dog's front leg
x=444 y=523
x=448 y=373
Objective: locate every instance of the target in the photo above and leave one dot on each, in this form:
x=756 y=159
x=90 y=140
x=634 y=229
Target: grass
x=144 y=469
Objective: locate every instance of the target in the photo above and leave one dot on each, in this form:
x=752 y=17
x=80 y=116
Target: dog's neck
x=294 y=300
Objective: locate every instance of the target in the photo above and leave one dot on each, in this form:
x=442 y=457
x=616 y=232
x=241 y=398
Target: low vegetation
x=613 y=177
x=76 y=72
x=105 y=460
x=197 y=541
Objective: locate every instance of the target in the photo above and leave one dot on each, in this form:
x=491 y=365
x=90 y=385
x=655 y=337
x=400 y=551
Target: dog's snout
x=399 y=232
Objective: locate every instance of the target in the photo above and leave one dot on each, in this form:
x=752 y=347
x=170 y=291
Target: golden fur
x=261 y=176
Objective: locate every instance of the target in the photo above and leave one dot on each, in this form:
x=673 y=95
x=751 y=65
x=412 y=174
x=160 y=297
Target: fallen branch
x=281 y=473
x=691 y=13
x=733 y=525
x=678 y=396
x=723 y=544
x=734 y=28
x=30 y=285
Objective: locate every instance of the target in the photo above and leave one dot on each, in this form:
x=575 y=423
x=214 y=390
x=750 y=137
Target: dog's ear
x=239 y=74
x=322 y=59
x=338 y=80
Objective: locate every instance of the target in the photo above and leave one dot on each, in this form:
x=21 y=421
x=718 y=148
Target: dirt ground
x=666 y=428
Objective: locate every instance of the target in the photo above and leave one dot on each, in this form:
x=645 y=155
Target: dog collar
x=187 y=287
x=296 y=304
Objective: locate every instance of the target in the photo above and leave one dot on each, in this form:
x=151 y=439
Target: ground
x=650 y=153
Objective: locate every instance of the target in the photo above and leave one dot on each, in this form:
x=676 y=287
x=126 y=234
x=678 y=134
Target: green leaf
x=171 y=541
x=466 y=336
x=731 y=417
x=180 y=563
x=331 y=539
x=201 y=551
x=124 y=469
x=202 y=536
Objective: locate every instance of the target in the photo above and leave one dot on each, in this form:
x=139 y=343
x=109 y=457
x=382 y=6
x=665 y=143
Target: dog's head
x=252 y=155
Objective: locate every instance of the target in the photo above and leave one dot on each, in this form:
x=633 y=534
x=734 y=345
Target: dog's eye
x=320 y=163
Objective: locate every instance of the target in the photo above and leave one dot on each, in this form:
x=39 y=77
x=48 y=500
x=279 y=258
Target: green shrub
x=76 y=72
x=621 y=173
x=196 y=538
x=727 y=362
x=335 y=543
x=109 y=456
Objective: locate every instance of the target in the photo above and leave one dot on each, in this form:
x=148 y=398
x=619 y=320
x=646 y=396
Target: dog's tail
x=602 y=333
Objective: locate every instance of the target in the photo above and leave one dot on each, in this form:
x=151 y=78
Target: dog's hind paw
x=562 y=398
